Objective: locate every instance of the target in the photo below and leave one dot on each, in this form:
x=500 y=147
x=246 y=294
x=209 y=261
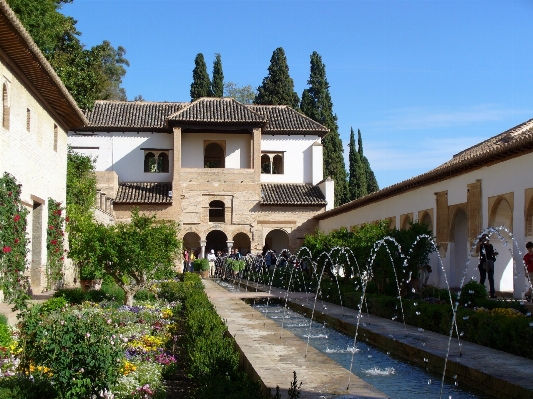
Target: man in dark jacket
x=487 y=257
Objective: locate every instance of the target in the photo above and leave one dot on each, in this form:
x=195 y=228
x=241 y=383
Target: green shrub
x=144 y=295
x=24 y=387
x=201 y=265
x=52 y=305
x=113 y=292
x=73 y=296
x=171 y=291
x=6 y=338
x=472 y=292
x=3 y=319
x=74 y=349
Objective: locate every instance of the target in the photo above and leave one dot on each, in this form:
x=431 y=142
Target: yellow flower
x=127 y=368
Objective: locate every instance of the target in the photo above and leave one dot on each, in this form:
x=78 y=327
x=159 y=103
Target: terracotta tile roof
x=210 y=110
x=285 y=120
x=156 y=116
x=291 y=194
x=511 y=143
x=17 y=43
x=131 y=115
x=143 y=193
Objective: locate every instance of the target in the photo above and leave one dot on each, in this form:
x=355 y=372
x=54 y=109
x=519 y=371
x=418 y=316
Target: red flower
x=16 y=240
x=51 y=227
x=67 y=219
x=53 y=242
x=62 y=258
x=62 y=233
x=57 y=250
x=9 y=194
x=6 y=249
x=16 y=218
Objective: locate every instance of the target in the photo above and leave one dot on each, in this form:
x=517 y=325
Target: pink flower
x=88 y=335
x=16 y=218
x=6 y=249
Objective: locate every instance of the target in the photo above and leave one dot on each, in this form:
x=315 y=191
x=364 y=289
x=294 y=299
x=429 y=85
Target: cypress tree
x=277 y=87
x=218 y=77
x=316 y=104
x=357 y=185
x=201 y=84
x=371 y=182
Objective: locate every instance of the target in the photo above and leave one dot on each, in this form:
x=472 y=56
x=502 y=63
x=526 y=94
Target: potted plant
x=202 y=266
x=236 y=265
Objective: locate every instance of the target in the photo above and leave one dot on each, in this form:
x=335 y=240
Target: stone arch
x=216 y=239
x=426 y=219
x=242 y=242
x=191 y=240
x=149 y=162
x=277 y=239
x=458 y=246
x=501 y=214
x=406 y=219
x=214 y=155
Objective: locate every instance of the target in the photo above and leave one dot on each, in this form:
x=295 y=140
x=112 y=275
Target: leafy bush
x=144 y=295
x=3 y=319
x=26 y=387
x=72 y=349
x=76 y=296
x=6 y=338
x=72 y=295
x=53 y=304
x=472 y=292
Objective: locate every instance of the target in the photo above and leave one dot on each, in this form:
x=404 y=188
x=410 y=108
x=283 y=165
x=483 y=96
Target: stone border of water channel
x=400 y=341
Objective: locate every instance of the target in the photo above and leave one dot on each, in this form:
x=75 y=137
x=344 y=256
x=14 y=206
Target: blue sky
x=423 y=80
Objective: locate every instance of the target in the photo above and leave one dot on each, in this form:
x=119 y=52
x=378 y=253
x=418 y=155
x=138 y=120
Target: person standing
x=211 y=257
x=528 y=263
x=487 y=257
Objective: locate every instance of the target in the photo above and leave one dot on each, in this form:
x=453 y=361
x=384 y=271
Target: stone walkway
x=6 y=308
x=497 y=373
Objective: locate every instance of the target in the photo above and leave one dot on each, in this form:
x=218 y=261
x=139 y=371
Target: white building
x=37 y=112
x=247 y=176
x=487 y=185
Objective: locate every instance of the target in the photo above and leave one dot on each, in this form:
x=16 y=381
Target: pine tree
x=218 y=77
x=371 y=182
x=316 y=104
x=277 y=87
x=357 y=186
x=201 y=85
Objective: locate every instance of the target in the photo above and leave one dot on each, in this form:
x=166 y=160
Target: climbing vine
x=13 y=243
x=55 y=237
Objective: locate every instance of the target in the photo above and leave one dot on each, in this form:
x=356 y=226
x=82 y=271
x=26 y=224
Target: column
x=230 y=246
x=203 y=243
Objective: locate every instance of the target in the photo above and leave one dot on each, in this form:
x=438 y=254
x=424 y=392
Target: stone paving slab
x=272 y=354
x=497 y=373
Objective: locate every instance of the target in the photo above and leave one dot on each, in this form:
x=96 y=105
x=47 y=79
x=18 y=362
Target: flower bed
x=90 y=351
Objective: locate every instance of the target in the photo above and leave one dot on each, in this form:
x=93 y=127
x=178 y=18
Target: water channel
x=394 y=377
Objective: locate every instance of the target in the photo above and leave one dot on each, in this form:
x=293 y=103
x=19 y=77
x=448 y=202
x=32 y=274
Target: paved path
x=497 y=373
x=6 y=308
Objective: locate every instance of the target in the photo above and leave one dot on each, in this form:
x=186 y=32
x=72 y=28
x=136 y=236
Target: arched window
x=5 y=107
x=265 y=164
x=149 y=162
x=214 y=156
x=216 y=212
x=162 y=162
x=156 y=162
x=277 y=165
x=272 y=163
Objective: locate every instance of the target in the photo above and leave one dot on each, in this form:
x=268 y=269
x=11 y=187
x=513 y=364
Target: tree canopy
x=316 y=103
x=201 y=84
x=88 y=74
x=217 y=85
x=370 y=177
x=243 y=94
x=277 y=87
x=357 y=186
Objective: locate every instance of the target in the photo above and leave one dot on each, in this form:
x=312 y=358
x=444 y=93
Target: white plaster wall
x=238 y=149
x=298 y=158
x=513 y=175
x=30 y=155
x=122 y=153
